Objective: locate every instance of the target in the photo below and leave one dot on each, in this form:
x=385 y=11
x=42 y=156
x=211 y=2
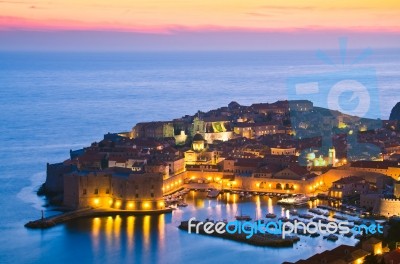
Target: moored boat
x=332 y=237
x=242 y=217
x=270 y=215
x=293 y=212
x=339 y=217
x=213 y=193
x=299 y=199
x=315 y=211
x=306 y=216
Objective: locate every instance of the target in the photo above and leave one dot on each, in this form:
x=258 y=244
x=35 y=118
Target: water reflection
x=95 y=233
x=129 y=231
x=132 y=235
x=259 y=212
x=146 y=231
x=270 y=206
x=148 y=239
x=109 y=231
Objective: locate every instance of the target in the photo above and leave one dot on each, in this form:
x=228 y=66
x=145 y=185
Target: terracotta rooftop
x=341 y=254
x=374 y=164
x=349 y=180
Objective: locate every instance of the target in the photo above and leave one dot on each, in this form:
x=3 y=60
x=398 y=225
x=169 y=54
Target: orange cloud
x=154 y=16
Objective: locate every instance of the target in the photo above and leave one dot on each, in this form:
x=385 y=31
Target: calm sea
x=53 y=102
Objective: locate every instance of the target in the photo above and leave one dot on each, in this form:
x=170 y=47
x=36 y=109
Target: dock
x=262 y=240
x=51 y=221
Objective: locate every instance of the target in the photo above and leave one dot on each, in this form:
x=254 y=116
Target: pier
x=47 y=222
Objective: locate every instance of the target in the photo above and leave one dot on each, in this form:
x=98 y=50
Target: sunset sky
x=187 y=23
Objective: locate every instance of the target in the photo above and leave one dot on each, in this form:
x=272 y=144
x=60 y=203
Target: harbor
x=269 y=207
x=268 y=240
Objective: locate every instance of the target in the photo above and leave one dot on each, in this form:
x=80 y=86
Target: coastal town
x=291 y=150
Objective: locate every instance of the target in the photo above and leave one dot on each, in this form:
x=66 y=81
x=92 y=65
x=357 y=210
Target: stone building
x=349 y=186
x=388 y=168
x=153 y=130
x=117 y=188
x=387 y=207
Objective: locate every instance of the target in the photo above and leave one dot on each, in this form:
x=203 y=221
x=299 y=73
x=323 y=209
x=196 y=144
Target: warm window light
x=180 y=181
x=118 y=204
x=209 y=178
x=130 y=205
x=96 y=201
x=110 y=201
x=161 y=204
x=217 y=179
x=146 y=205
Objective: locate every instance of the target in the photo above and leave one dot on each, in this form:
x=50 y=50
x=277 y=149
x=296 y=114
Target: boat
x=301 y=231
x=339 y=217
x=326 y=214
x=306 y=216
x=293 y=212
x=248 y=195
x=315 y=211
x=315 y=235
x=284 y=219
x=182 y=204
x=270 y=215
x=323 y=220
x=213 y=193
x=350 y=234
x=242 y=217
x=299 y=199
x=358 y=236
x=331 y=237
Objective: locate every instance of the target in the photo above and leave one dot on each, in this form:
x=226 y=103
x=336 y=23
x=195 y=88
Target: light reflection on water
x=152 y=238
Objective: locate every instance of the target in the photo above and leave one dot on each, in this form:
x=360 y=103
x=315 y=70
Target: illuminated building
x=114 y=188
